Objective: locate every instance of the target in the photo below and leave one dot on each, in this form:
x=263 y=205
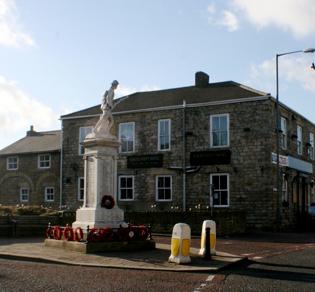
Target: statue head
x=115 y=83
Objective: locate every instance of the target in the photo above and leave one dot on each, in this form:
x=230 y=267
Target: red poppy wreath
x=107 y=202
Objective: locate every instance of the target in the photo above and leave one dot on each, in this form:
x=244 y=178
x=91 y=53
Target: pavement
x=33 y=249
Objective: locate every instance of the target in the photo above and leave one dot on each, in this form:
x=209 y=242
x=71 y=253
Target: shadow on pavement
x=261 y=270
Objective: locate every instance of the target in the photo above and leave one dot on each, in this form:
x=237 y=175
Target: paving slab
x=34 y=250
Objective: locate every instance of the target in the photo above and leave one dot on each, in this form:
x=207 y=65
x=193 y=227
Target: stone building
x=200 y=146
x=30 y=170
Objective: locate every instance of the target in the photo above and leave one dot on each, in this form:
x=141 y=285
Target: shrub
x=6 y=210
x=26 y=210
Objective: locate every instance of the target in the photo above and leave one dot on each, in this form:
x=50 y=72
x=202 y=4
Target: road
x=294 y=271
x=276 y=262
x=29 y=276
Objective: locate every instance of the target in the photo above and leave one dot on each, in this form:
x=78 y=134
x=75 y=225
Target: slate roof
x=219 y=91
x=37 y=142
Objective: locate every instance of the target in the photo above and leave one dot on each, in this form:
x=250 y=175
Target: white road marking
x=210 y=278
x=202 y=285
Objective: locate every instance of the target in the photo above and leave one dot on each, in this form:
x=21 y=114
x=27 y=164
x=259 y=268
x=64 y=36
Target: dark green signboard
x=145 y=161
x=210 y=157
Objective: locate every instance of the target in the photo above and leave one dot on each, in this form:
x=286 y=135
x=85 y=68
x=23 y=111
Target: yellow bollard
x=208 y=224
x=180 y=244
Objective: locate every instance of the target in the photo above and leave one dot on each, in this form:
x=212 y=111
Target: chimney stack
x=201 y=79
x=31 y=132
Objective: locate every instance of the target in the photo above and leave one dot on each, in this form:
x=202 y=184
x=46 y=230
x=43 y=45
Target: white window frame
x=80 y=189
x=88 y=130
x=22 y=194
x=132 y=188
x=39 y=161
x=46 y=194
x=227 y=130
x=311 y=147
x=10 y=164
x=283 y=134
x=133 y=137
x=157 y=188
x=299 y=140
x=214 y=190
x=160 y=122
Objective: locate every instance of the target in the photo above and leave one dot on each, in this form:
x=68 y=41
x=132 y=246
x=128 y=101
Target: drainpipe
x=184 y=155
x=61 y=162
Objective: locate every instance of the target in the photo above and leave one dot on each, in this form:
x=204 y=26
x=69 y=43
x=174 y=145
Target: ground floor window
x=220 y=189
x=164 y=188
x=126 y=188
x=284 y=189
x=49 y=194
x=81 y=189
x=312 y=194
x=24 y=194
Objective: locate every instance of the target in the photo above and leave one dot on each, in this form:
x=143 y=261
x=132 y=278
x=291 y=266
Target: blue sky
x=60 y=56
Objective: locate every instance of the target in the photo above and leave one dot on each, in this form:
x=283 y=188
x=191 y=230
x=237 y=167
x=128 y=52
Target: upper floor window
x=283 y=135
x=164 y=188
x=220 y=189
x=127 y=137
x=164 y=135
x=81 y=188
x=126 y=188
x=44 y=161
x=83 y=131
x=311 y=147
x=49 y=194
x=299 y=139
x=219 y=130
x=24 y=194
x=12 y=163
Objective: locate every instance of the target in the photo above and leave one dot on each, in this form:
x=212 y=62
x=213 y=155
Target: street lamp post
x=279 y=179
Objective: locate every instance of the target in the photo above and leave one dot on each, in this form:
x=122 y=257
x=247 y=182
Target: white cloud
x=211 y=8
x=225 y=18
x=18 y=111
x=291 y=70
x=229 y=20
x=295 y=16
x=11 y=34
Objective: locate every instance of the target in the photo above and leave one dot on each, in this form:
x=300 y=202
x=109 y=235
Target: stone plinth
x=100 y=175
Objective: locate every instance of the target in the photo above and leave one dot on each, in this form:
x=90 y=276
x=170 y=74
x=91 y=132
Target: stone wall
x=252 y=176
x=28 y=175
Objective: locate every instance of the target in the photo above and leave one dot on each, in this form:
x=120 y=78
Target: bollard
x=208 y=224
x=207 y=255
x=180 y=245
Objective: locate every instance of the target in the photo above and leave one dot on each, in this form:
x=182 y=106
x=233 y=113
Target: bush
x=26 y=210
x=6 y=210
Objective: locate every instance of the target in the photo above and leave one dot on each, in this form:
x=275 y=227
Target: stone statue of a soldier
x=105 y=123
x=108 y=97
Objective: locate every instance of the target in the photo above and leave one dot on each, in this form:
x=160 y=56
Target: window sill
x=221 y=206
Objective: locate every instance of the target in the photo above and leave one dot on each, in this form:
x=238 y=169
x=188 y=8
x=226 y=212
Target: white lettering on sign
x=283 y=160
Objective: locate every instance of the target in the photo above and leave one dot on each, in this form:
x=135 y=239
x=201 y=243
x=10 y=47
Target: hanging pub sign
x=210 y=157
x=145 y=161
